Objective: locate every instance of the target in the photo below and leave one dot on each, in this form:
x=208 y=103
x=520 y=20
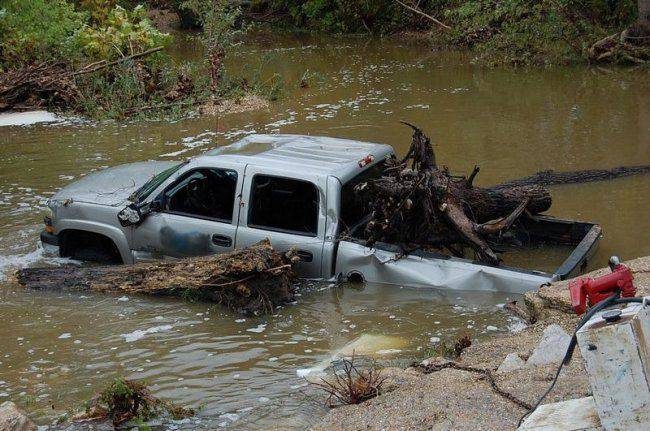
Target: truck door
x=196 y=215
x=287 y=210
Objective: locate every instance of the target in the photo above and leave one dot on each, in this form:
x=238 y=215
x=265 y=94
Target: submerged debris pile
x=129 y=400
x=252 y=280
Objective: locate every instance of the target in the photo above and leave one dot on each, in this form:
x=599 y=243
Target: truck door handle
x=221 y=240
x=305 y=256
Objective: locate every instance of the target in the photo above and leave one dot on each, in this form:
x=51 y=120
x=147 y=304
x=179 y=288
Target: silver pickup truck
x=295 y=190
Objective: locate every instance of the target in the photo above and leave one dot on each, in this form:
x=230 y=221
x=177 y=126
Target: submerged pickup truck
x=295 y=190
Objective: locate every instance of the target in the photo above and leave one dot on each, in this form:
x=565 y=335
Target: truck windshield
x=153 y=183
x=353 y=206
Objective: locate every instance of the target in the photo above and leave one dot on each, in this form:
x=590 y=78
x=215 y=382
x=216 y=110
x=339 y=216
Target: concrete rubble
x=551 y=348
x=512 y=362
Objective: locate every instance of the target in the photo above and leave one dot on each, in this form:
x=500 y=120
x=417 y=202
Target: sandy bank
x=456 y=399
x=249 y=102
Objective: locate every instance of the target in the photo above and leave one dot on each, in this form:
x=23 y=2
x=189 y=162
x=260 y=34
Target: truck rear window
x=283 y=204
x=353 y=206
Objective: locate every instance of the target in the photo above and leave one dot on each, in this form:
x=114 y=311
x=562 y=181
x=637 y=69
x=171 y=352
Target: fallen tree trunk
x=250 y=281
x=551 y=177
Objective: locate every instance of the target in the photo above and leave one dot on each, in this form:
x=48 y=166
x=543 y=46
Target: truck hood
x=112 y=186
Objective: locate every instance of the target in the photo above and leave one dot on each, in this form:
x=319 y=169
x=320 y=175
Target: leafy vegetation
x=25 y=38
x=104 y=59
x=542 y=32
x=515 y=32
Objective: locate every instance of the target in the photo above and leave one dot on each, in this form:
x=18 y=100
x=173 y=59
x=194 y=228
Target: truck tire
x=89 y=246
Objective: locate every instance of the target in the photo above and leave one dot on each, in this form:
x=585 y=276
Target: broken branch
x=419 y=12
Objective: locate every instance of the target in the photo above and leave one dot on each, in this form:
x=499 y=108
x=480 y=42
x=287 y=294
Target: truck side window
x=283 y=204
x=204 y=193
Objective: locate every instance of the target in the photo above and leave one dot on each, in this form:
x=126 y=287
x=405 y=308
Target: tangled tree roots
x=418 y=204
x=126 y=400
x=631 y=46
x=351 y=385
x=252 y=280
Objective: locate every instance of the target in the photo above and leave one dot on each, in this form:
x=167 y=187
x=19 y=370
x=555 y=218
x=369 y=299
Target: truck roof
x=314 y=154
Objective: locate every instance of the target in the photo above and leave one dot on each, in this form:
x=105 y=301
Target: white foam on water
x=259 y=328
x=65 y=335
x=27 y=118
x=232 y=417
x=388 y=351
x=141 y=333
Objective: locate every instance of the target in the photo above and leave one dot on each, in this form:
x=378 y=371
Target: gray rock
x=512 y=362
x=14 y=419
x=551 y=348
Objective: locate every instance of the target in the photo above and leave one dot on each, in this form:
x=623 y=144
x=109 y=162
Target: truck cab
x=283 y=187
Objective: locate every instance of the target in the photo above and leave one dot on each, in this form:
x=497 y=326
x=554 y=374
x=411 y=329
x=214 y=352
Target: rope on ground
x=428 y=369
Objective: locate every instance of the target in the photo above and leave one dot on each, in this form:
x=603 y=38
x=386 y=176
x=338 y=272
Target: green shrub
x=523 y=32
x=120 y=33
x=38 y=30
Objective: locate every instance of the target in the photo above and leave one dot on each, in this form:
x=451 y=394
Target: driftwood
x=250 y=281
x=54 y=82
x=427 y=16
x=418 y=204
x=631 y=46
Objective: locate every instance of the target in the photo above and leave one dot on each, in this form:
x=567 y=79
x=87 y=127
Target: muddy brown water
x=57 y=349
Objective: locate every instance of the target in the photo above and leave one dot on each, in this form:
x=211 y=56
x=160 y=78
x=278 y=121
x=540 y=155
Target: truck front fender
x=114 y=234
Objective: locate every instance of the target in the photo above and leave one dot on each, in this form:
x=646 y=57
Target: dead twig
x=351 y=385
x=94 y=67
x=419 y=12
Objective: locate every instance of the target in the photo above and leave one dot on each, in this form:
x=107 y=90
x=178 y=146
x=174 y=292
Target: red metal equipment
x=591 y=291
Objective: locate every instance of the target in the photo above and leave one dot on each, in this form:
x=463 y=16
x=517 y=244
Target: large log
x=250 y=281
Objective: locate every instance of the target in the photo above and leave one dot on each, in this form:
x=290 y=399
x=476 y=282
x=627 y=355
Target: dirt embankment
x=457 y=399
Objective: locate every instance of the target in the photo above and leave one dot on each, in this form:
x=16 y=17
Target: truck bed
x=380 y=264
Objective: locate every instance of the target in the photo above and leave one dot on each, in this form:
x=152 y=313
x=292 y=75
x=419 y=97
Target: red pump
x=595 y=290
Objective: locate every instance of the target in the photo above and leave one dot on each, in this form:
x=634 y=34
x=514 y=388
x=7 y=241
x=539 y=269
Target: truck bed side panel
x=380 y=266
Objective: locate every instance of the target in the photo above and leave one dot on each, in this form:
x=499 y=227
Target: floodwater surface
x=57 y=349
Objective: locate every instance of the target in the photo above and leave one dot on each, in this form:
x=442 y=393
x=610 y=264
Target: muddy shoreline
x=457 y=399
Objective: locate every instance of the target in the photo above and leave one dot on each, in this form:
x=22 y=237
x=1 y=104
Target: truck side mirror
x=129 y=216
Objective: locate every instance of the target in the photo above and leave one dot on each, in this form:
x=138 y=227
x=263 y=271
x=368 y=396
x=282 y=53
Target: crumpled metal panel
x=380 y=266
